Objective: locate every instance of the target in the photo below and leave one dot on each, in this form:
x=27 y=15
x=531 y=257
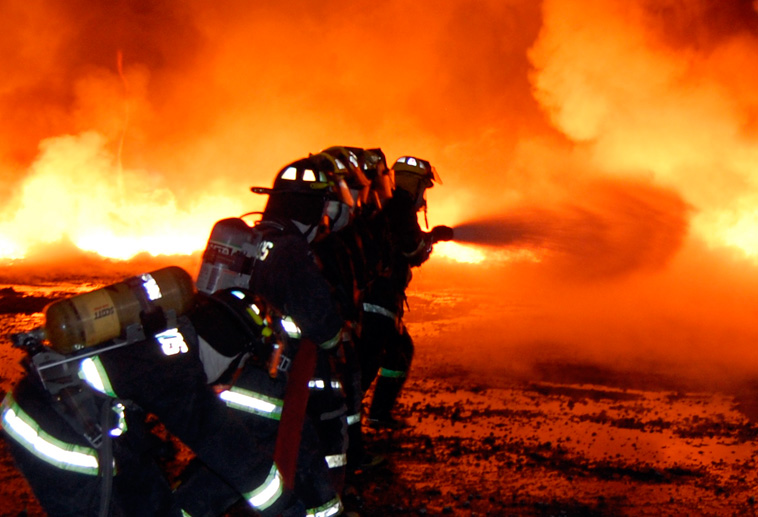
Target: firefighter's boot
x=386 y=392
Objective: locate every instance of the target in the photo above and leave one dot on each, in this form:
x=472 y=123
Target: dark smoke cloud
x=48 y=48
x=701 y=24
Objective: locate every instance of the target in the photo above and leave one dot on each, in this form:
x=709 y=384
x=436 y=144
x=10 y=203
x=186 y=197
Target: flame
x=743 y=233
x=668 y=96
x=70 y=194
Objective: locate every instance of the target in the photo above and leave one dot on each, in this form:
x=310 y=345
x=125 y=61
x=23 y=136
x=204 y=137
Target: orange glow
x=70 y=194
x=678 y=107
x=206 y=101
x=607 y=149
x=743 y=233
x=599 y=159
x=459 y=253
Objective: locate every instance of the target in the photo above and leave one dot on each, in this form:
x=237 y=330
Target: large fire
x=607 y=142
x=133 y=128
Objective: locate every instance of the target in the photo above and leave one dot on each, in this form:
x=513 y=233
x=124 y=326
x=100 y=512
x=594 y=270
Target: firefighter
x=386 y=348
x=253 y=385
x=371 y=223
x=62 y=461
x=155 y=368
x=273 y=260
x=307 y=200
x=342 y=259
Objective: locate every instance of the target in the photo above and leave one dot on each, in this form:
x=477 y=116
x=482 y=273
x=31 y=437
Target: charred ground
x=568 y=439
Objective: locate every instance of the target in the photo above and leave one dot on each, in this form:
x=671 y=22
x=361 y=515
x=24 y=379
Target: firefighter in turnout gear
x=251 y=348
x=341 y=258
x=76 y=472
x=308 y=199
x=273 y=260
x=386 y=348
x=150 y=366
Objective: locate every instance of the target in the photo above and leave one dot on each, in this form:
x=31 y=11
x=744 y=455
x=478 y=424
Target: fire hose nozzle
x=442 y=233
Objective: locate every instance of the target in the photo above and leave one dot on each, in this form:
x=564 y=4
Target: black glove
x=442 y=233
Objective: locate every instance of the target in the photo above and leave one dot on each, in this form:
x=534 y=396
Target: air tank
x=228 y=256
x=92 y=318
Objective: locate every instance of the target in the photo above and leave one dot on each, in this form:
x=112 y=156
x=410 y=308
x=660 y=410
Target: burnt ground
x=568 y=438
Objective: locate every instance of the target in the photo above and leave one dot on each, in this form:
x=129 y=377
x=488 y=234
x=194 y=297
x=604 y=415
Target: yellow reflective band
x=26 y=432
x=333 y=507
x=267 y=494
x=334 y=461
x=251 y=402
x=354 y=419
x=255 y=316
x=92 y=371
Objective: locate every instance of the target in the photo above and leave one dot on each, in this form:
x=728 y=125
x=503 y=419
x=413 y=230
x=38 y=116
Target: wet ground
x=559 y=438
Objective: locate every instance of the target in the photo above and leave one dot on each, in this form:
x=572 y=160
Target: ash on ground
x=568 y=439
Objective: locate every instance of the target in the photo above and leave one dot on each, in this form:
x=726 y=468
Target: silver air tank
x=227 y=259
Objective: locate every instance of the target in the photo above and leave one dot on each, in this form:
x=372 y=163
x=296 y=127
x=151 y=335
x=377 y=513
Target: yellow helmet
x=414 y=175
x=348 y=161
x=379 y=173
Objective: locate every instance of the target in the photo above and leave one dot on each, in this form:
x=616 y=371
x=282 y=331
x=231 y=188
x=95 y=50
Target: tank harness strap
x=378 y=309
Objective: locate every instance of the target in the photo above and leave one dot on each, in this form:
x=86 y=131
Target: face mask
x=421 y=200
x=338 y=214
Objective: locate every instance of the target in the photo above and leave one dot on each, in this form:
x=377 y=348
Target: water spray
x=502 y=231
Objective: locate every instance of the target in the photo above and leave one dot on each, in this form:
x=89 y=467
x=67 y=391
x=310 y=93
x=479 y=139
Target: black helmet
x=302 y=189
x=375 y=168
x=235 y=320
x=350 y=166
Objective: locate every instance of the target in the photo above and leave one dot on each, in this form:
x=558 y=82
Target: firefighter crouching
x=274 y=260
x=254 y=386
x=104 y=361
